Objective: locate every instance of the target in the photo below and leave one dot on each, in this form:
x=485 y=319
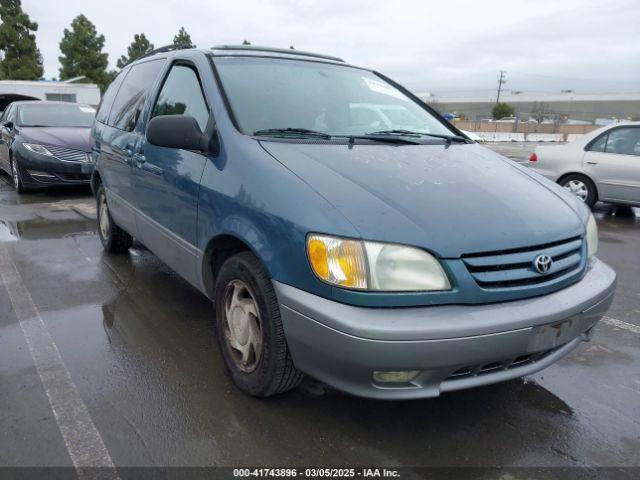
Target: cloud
x=428 y=46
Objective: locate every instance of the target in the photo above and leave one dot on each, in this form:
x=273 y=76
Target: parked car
x=601 y=165
x=390 y=264
x=473 y=136
x=46 y=143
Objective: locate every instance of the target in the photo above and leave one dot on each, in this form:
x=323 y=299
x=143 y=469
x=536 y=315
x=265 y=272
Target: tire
x=582 y=187
x=15 y=176
x=268 y=369
x=113 y=238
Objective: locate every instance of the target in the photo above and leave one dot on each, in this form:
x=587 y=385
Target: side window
x=109 y=96
x=600 y=144
x=181 y=94
x=10 y=113
x=132 y=94
x=623 y=141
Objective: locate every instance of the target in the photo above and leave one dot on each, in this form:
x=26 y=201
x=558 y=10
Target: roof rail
x=166 y=48
x=287 y=51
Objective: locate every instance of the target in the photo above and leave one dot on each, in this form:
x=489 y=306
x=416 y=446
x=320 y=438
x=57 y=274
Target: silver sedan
x=601 y=165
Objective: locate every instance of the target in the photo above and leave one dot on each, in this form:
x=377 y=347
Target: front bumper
x=452 y=346
x=43 y=171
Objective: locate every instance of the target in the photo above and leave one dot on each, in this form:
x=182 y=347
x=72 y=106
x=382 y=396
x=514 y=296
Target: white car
x=601 y=165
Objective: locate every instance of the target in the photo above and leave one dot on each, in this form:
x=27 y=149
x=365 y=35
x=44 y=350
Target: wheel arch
x=218 y=250
x=96 y=181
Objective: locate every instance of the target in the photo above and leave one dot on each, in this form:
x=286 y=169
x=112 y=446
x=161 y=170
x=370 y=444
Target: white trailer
x=67 y=91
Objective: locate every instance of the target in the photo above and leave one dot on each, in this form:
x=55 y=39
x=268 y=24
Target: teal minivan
x=341 y=227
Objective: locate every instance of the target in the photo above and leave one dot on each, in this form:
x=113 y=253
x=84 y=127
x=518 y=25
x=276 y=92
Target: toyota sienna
x=341 y=227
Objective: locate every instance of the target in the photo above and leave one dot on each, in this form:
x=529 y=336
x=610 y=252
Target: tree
x=246 y=42
x=501 y=110
x=82 y=53
x=540 y=111
x=138 y=48
x=21 y=59
x=183 y=39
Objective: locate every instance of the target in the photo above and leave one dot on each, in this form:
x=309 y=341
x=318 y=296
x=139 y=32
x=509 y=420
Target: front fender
x=248 y=195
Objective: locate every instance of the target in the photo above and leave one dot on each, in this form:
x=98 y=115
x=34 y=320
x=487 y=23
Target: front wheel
x=15 y=175
x=582 y=187
x=113 y=238
x=249 y=329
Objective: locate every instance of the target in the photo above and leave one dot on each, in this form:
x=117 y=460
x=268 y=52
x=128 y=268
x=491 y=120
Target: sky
x=449 y=48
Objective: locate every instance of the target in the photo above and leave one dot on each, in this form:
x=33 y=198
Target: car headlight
x=592 y=236
x=374 y=266
x=35 y=148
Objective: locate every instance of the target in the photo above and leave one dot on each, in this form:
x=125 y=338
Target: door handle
x=591 y=162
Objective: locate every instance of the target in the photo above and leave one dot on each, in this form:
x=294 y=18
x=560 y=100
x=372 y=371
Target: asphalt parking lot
x=124 y=347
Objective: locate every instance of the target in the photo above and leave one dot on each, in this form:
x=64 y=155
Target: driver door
x=167 y=180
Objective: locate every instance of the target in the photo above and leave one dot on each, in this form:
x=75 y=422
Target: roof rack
x=287 y=51
x=166 y=48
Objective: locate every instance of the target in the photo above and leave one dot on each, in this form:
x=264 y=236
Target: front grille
x=500 y=365
x=74 y=177
x=69 y=155
x=515 y=268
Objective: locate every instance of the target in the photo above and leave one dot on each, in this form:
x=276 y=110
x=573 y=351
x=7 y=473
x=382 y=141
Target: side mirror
x=177 y=131
x=8 y=124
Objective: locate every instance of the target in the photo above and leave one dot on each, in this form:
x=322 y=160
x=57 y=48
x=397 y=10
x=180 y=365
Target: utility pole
x=501 y=79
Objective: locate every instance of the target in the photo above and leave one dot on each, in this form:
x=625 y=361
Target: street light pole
x=501 y=80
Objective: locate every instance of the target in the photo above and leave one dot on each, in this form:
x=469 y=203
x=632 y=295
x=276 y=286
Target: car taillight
x=533 y=157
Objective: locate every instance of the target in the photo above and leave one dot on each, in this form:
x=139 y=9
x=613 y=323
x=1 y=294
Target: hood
x=77 y=138
x=450 y=200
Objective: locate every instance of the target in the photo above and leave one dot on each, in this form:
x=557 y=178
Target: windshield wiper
x=382 y=138
x=409 y=133
x=291 y=131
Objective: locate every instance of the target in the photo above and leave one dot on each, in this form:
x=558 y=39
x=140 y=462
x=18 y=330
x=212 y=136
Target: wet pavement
x=139 y=348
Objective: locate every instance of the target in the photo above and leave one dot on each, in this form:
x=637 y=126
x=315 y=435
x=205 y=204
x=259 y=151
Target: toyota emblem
x=543 y=263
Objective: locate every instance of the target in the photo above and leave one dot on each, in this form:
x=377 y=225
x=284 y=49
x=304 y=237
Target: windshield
x=334 y=99
x=48 y=115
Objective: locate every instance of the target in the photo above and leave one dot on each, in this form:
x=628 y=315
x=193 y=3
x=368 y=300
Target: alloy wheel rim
x=242 y=327
x=103 y=214
x=578 y=188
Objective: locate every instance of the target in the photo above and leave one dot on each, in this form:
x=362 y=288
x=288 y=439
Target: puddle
x=614 y=217
x=41 y=229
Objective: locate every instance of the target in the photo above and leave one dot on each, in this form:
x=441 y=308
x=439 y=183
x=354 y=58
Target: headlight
x=374 y=266
x=592 y=236
x=35 y=148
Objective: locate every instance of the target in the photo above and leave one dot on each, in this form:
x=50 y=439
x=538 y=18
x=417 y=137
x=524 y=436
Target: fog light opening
x=35 y=173
x=402 y=376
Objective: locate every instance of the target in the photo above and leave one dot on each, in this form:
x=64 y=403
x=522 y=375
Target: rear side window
x=107 y=99
x=624 y=141
x=181 y=94
x=132 y=94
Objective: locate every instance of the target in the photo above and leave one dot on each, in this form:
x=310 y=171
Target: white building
x=12 y=90
x=566 y=104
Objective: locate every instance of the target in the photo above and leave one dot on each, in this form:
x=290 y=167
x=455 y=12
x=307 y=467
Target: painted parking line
x=81 y=437
x=614 y=322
